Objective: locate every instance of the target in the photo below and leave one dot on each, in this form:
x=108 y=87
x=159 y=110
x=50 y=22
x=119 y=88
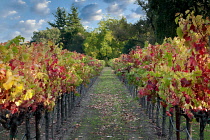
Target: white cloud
x=119 y=8
x=26 y=28
x=79 y=3
x=4 y=29
x=12 y=12
x=86 y=27
x=91 y=13
x=18 y=5
x=16 y=33
x=85 y=22
x=17 y=17
x=97 y=17
x=21 y=2
x=131 y=1
x=41 y=7
x=134 y=15
x=116 y=9
x=139 y=11
x=99 y=11
x=9 y=13
x=9 y=36
x=23 y=28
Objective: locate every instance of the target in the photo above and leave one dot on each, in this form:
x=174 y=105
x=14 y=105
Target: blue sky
x=23 y=17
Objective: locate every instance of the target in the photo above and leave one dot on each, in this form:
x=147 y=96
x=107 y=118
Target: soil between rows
x=107 y=111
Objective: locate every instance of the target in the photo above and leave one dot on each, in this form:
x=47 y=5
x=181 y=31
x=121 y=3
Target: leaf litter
x=112 y=113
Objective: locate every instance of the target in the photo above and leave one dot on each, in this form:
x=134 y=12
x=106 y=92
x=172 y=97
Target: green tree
x=161 y=14
x=70 y=27
x=143 y=32
x=60 y=23
x=102 y=44
x=133 y=34
x=75 y=31
x=122 y=32
x=45 y=35
x=91 y=45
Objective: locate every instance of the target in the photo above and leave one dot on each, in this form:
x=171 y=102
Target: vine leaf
x=179 y=32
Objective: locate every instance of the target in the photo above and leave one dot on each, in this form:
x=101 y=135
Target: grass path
x=109 y=112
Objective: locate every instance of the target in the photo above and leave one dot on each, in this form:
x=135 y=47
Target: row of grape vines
x=34 y=78
x=175 y=74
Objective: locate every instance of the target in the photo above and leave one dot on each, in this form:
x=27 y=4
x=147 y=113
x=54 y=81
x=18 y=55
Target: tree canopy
x=132 y=34
x=102 y=44
x=116 y=36
x=70 y=28
x=45 y=35
x=161 y=14
x=112 y=38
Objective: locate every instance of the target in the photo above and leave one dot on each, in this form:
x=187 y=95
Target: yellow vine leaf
x=18 y=103
x=29 y=94
x=8 y=73
x=10 y=80
x=13 y=95
x=2 y=101
x=17 y=92
x=19 y=88
x=9 y=83
x=41 y=75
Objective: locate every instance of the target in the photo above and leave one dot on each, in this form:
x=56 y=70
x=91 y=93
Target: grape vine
x=33 y=76
x=177 y=71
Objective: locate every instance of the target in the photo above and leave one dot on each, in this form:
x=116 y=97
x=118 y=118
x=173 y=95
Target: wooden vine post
x=203 y=122
x=38 y=116
x=157 y=112
x=171 y=119
x=27 y=119
x=189 y=127
x=62 y=108
x=47 y=124
x=164 y=121
x=15 y=120
x=13 y=128
x=177 y=109
x=66 y=106
x=58 y=113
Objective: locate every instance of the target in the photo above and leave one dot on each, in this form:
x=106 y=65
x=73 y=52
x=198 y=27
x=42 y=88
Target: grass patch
x=195 y=130
x=110 y=113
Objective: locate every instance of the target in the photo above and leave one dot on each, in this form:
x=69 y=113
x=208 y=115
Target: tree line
x=161 y=14
x=115 y=36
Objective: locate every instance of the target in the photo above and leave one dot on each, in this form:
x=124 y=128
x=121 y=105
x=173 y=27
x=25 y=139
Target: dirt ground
x=108 y=111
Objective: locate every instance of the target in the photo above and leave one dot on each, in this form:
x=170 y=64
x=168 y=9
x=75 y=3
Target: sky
x=23 y=17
